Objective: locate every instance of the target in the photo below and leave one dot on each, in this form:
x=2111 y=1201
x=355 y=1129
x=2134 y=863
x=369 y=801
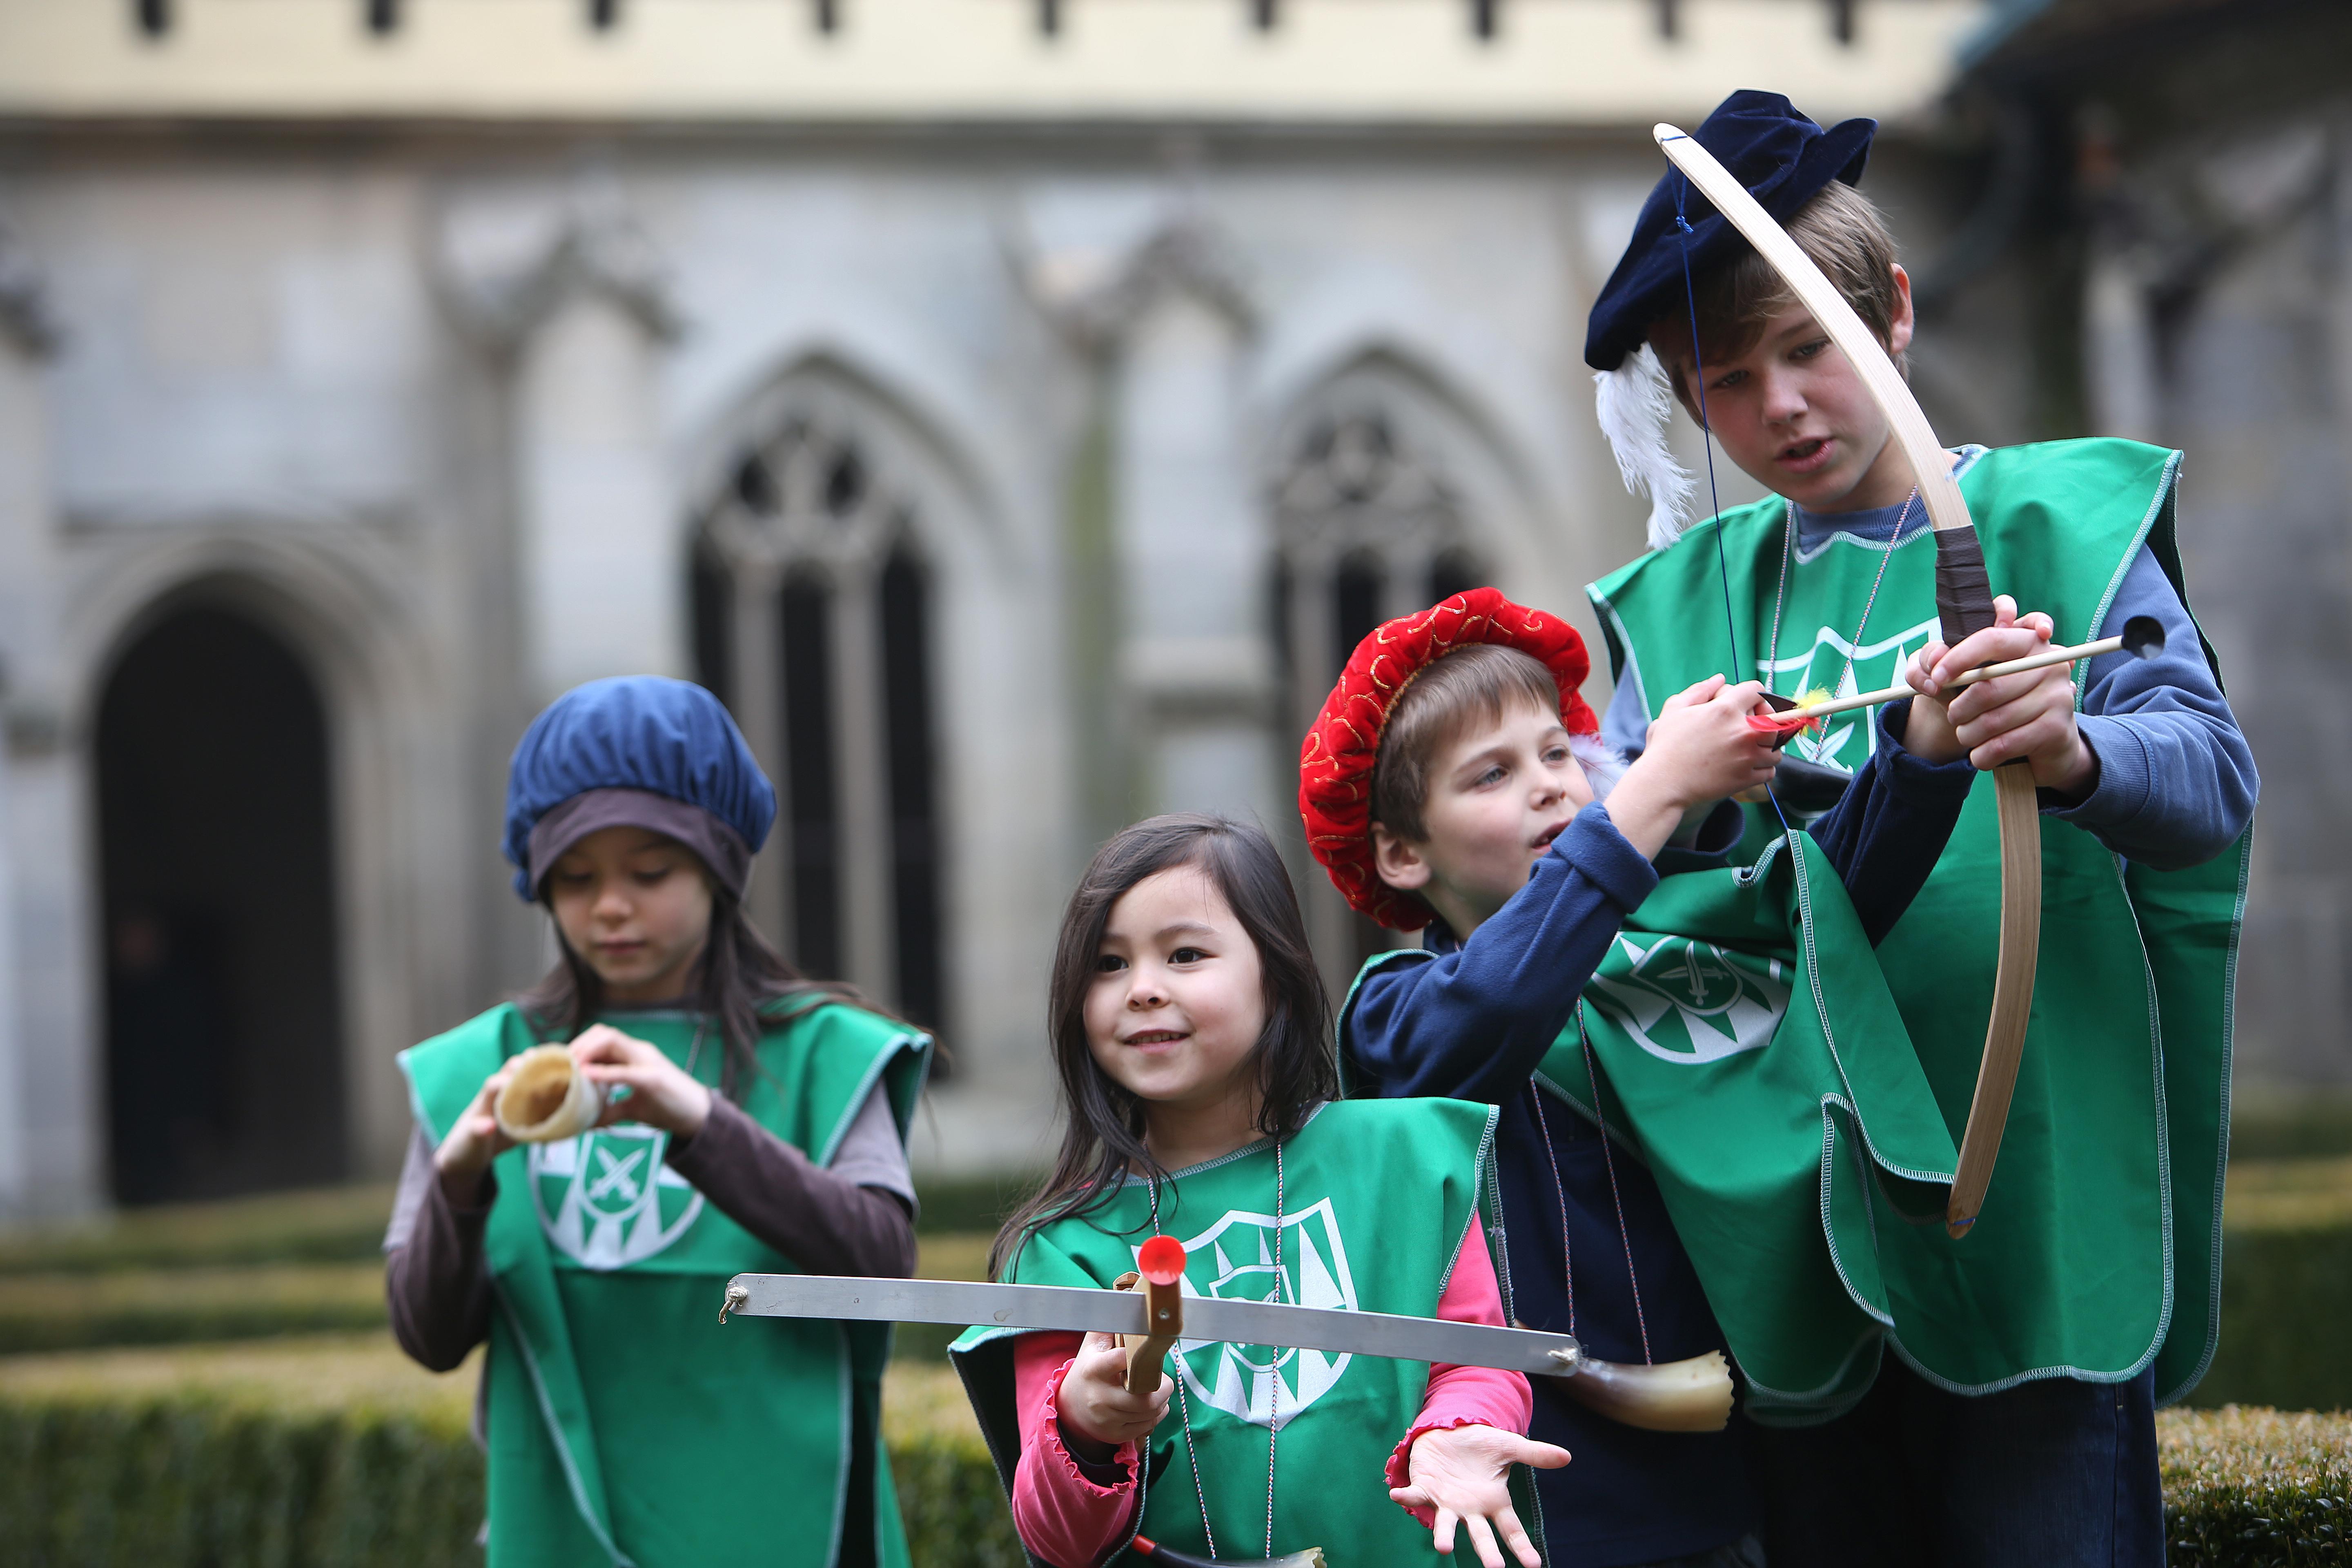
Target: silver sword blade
x=1079 y=1311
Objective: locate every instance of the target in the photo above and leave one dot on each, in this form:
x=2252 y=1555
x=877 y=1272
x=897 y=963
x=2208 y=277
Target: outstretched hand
x=2029 y=715
x=1463 y=1475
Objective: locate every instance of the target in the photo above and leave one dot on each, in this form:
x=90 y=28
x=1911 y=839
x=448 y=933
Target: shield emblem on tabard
x=605 y=1198
x=1690 y=1003
x=1234 y=1260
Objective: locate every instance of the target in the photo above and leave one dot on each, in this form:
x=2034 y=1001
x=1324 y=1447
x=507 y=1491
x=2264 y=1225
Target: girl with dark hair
x=1192 y=1037
x=742 y=1118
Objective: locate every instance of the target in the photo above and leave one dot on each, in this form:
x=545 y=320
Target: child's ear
x=1900 y=326
x=1399 y=861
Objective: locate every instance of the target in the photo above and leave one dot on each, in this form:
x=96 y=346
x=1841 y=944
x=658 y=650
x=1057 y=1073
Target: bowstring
x=1707 y=428
x=1707 y=437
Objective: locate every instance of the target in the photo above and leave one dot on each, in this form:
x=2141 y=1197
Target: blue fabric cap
x=641 y=732
x=1780 y=155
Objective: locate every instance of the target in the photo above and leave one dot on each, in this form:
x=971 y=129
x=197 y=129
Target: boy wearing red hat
x=1450 y=783
x=2014 y=1420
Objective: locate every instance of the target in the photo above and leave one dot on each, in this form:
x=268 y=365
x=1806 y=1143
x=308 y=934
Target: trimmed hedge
x=202 y=1481
x=58 y=1310
x=216 y=1478
x=345 y=1224
x=140 y=1306
x=2307 y=1122
x=197 y=1480
x=330 y=1224
x=2258 y=1488
x=2287 y=1288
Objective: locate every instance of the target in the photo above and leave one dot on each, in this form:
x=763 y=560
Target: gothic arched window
x=1367 y=529
x=813 y=624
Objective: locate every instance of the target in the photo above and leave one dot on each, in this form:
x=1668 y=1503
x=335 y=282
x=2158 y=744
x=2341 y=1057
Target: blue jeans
x=2051 y=1474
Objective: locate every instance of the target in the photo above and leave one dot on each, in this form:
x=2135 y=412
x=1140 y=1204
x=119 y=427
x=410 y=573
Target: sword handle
x=1163 y=1317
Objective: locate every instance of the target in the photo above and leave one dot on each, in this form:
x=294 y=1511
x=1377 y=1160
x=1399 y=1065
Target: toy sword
x=1692 y=1395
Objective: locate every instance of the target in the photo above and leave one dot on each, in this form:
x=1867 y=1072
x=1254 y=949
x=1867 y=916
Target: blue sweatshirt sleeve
x=2177 y=781
x=1882 y=836
x=1626 y=725
x=1473 y=1023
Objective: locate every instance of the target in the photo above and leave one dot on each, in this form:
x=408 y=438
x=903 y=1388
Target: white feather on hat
x=1634 y=402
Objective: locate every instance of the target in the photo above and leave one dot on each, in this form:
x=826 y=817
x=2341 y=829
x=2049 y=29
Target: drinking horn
x=546 y=1098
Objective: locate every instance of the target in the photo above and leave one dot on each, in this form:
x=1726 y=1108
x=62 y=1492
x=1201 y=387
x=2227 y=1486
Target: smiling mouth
x=1153 y=1037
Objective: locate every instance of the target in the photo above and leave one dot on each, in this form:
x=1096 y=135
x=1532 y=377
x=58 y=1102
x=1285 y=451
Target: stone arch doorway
x=224 y=1019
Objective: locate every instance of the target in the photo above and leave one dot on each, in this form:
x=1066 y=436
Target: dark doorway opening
x=224 y=1020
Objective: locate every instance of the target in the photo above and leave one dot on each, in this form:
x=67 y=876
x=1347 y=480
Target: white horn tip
x=1693 y=1395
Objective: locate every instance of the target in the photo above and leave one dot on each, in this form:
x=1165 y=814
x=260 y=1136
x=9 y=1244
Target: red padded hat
x=1334 y=760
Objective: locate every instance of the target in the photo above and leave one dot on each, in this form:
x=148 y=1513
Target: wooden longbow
x=1964 y=603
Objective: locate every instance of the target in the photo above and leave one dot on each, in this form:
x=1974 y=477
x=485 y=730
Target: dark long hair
x=739 y=975
x=1102 y=1133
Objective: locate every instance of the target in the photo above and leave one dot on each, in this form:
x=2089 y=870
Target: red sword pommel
x=1160 y=1260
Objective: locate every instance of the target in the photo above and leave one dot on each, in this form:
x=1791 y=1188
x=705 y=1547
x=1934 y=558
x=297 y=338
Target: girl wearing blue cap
x=745 y=1119
x=2000 y=1407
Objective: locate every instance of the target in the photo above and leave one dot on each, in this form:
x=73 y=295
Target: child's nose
x=1783 y=399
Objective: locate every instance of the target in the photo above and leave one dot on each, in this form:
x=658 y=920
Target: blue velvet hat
x=1783 y=158
x=1780 y=155
x=642 y=751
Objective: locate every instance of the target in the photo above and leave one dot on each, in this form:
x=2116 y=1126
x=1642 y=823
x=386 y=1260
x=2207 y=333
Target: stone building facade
x=1012 y=407
x=2170 y=207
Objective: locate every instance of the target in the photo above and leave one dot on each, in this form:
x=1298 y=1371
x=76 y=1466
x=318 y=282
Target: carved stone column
x=580 y=302
x=599 y=523
x=52 y=1035
x=1195 y=552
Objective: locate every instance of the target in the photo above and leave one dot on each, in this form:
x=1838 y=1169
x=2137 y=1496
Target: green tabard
x=1377 y=1196
x=2098 y=1247
x=625 y=1425
x=1754 y=1060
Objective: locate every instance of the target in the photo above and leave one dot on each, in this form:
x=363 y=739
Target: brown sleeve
x=824 y=1224
x=435 y=1281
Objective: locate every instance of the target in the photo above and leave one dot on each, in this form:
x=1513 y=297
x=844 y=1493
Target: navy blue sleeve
x=1626 y=725
x=1473 y=1023
x=1888 y=831
x=2177 y=781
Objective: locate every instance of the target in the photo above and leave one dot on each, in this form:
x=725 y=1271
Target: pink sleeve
x=1466 y=1395
x=1063 y=1517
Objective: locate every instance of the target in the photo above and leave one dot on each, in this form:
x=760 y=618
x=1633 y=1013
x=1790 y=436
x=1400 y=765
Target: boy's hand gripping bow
x=1963 y=600
x=1692 y=1395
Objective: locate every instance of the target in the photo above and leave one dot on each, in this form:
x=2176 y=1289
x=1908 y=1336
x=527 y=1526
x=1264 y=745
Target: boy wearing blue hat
x=739 y=1119
x=2014 y=1420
